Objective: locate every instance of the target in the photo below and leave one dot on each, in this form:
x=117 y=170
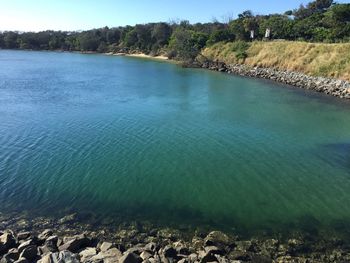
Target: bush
x=240 y=48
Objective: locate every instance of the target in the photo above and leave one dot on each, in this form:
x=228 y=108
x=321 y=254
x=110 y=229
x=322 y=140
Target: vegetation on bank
x=316 y=59
x=319 y=21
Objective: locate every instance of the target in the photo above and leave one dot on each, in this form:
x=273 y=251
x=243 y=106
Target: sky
x=37 y=15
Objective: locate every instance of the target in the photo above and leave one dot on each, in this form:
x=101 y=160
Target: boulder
x=45 y=234
x=13 y=253
x=22 y=260
x=169 y=252
x=130 y=258
x=151 y=247
x=145 y=255
x=7 y=241
x=110 y=256
x=105 y=246
x=87 y=254
x=60 y=257
x=51 y=243
x=217 y=238
x=29 y=252
x=68 y=219
x=25 y=244
x=23 y=235
x=75 y=243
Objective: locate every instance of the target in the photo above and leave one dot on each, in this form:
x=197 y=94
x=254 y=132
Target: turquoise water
x=135 y=139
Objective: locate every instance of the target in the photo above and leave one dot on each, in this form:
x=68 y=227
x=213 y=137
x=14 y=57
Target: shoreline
x=329 y=86
x=45 y=239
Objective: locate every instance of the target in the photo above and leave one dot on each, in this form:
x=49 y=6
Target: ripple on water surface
x=136 y=139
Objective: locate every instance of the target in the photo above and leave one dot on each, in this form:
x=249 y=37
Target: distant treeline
x=318 y=21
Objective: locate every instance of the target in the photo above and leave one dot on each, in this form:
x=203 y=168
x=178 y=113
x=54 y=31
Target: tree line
x=318 y=21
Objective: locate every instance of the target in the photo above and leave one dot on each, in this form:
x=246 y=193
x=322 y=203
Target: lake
x=135 y=139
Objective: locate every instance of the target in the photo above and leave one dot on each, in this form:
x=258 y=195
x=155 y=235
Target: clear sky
x=36 y=15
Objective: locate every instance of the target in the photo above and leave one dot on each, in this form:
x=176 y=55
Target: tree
x=183 y=44
x=220 y=35
x=10 y=40
x=161 y=33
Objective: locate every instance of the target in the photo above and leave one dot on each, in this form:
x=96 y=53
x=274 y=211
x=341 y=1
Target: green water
x=135 y=139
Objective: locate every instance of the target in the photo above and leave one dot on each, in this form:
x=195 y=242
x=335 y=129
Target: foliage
x=318 y=21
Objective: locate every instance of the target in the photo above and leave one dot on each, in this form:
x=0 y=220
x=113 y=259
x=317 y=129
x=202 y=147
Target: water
x=135 y=139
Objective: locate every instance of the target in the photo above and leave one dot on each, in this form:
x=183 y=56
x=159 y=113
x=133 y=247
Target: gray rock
x=110 y=256
x=6 y=259
x=22 y=260
x=25 y=244
x=60 y=257
x=51 y=243
x=45 y=234
x=151 y=247
x=29 y=252
x=75 y=243
x=68 y=219
x=105 y=246
x=145 y=255
x=13 y=254
x=217 y=238
x=207 y=257
x=214 y=250
x=23 y=235
x=130 y=258
x=169 y=252
x=7 y=241
x=87 y=254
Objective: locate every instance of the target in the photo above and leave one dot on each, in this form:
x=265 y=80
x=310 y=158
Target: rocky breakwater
x=334 y=87
x=48 y=247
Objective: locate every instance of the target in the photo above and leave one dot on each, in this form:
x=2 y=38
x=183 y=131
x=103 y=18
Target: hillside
x=328 y=60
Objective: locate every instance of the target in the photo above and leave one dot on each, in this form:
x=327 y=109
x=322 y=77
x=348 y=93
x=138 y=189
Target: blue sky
x=36 y=15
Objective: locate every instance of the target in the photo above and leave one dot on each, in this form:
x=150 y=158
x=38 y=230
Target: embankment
x=320 y=67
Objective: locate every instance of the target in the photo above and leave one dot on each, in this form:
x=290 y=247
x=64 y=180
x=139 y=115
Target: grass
x=316 y=59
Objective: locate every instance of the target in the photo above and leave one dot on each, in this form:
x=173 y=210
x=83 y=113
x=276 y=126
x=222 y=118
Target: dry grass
x=329 y=60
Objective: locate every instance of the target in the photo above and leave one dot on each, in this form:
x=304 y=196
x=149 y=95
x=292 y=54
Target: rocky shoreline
x=335 y=87
x=66 y=240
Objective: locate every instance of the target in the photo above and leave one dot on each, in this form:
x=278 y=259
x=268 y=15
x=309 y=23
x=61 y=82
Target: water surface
x=135 y=139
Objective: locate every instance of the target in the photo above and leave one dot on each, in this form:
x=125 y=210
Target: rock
x=68 y=219
x=7 y=241
x=29 y=252
x=169 y=252
x=214 y=250
x=110 y=256
x=193 y=257
x=75 y=243
x=23 y=235
x=105 y=246
x=145 y=255
x=130 y=258
x=6 y=259
x=13 y=254
x=217 y=238
x=239 y=255
x=51 y=243
x=60 y=257
x=87 y=254
x=151 y=247
x=22 y=260
x=25 y=244
x=45 y=234
x=207 y=257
